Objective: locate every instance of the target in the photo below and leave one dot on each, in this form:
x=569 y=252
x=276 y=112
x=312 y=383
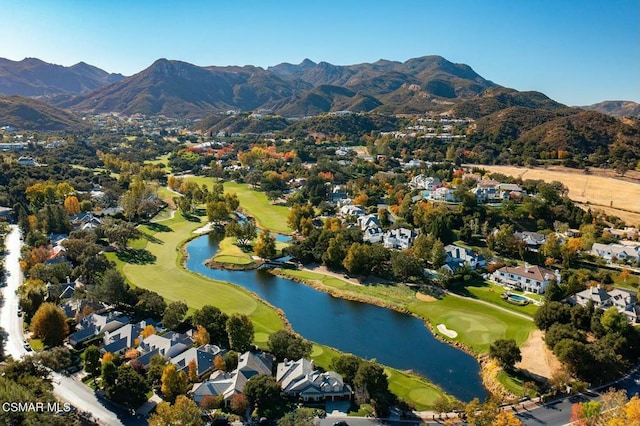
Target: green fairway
x=255 y=203
x=173 y=282
x=490 y=292
x=166 y=277
x=229 y=252
x=477 y=324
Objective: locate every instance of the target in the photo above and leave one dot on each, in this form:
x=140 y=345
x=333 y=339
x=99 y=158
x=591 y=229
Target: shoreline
x=482 y=359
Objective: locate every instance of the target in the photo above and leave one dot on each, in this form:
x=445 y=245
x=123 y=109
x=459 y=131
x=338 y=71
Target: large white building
x=532 y=278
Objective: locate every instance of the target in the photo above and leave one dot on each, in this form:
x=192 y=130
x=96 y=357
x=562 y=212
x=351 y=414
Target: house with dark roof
x=458 y=256
x=300 y=380
x=203 y=356
x=125 y=337
x=95 y=324
x=533 y=240
x=532 y=278
x=229 y=384
x=168 y=345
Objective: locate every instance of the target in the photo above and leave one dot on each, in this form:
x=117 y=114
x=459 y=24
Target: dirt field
x=537 y=358
x=598 y=189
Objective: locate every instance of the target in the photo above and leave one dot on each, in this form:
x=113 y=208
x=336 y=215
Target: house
x=168 y=345
x=532 y=278
x=337 y=193
x=368 y=221
x=5 y=212
x=27 y=161
x=300 y=380
x=350 y=210
x=424 y=182
x=617 y=253
x=203 y=356
x=74 y=308
x=95 y=324
x=628 y=233
x=229 y=384
x=624 y=301
x=443 y=194
x=458 y=256
x=533 y=240
x=400 y=238
x=372 y=235
x=125 y=337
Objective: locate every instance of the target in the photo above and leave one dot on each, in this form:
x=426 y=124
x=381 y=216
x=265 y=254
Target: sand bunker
x=444 y=330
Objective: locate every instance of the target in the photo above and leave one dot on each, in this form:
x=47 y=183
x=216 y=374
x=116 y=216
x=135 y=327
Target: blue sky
x=576 y=52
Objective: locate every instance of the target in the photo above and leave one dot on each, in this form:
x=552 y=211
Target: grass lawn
x=163 y=159
x=477 y=324
x=170 y=280
x=230 y=253
x=515 y=384
x=489 y=292
x=166 y=277
x=36 y=345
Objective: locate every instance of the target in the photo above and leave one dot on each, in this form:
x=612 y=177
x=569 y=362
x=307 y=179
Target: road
x=559 y=412
x=68 y=390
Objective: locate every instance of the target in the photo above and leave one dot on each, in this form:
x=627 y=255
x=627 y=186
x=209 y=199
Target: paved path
x=67 y=389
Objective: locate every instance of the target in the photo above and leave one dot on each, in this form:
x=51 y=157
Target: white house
x=424 y=182
x=532 y=278
x=624 y=301
x=400 y=238
x=368 y=221
x=350 y=210
x=616 y=252
x=458 y=256
x=443 y=194
x=299 y=379
x=372 y=235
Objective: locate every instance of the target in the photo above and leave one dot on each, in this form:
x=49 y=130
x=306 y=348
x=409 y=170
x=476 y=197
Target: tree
x=422 y=247
x=201 y=336
x=147 y=331
x=230 y=360
x=297 y=214
x=506 y=418
x=119 y=233
x=347 y=366
x=50 y=324
x=193 y=370
x=129 y=388
x=442 y=405
x=404 y=266
x=174 y=383
x=239 y=404
x=302 y=416
x=71 y=205
x=551 y=313
x=149 y=303
x=217 y=212
x=266 y=245
x=265 y=394
x=506 y=351
x=218 y=363
x=244 y=231
x=438 y=254
x=183 y=412
x=214 y=321
x=372 y=386
x=113 y=288
x=357 y=260
x=283 y=345
x=92 y=364
x=240 y=331
x=174 y=314
x=155 y=370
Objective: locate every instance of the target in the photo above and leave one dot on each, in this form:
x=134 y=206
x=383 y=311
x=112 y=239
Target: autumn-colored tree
x=183 y=412
x=506 y=418
x=148 y=331
x=625 y=274
x=50 y=324
x=131 y=353
x=265 y=247
x=211 y=402
x=193 y=371
x=107 y=357
x=174 y=382
x=239 y=404
x=71 y=205
x=218 y=363
x=361 y=199
x=201 y=336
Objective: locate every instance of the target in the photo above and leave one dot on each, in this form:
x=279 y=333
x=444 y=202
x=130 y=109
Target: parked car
x=27 y=347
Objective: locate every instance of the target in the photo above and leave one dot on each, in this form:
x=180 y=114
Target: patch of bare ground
x=425 y=297
x=537 y=359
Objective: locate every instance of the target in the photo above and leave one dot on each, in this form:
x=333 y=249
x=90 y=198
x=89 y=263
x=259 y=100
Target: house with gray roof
x=168 y=345
x=625 y=301
x=533 y=240
x=400 y=238
x=458 y=256
x=617 y=253
x=95 y=324
x=229 y=384
x=203 y=356
x=300 y=380
x=118 y=341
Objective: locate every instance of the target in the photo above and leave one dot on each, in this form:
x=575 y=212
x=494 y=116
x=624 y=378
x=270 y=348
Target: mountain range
x=33 y=77
x=616 y=108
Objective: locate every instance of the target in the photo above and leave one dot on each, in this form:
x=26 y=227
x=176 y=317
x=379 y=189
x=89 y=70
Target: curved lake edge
x=481 y=358
x=181 y=260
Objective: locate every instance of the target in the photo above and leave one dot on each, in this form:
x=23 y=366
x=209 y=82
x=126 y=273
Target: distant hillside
x=496 y=99
x=616 y=108
x=181 y=89
x=241 y=123
x=33 y=77
x=352 y=125
x=31 y=114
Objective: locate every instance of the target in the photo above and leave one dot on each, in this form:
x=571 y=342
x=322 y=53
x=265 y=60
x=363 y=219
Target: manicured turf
x=411 y=388
x=490 y=292
x=477 y=325
x=229 y=252
x=171 y=281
